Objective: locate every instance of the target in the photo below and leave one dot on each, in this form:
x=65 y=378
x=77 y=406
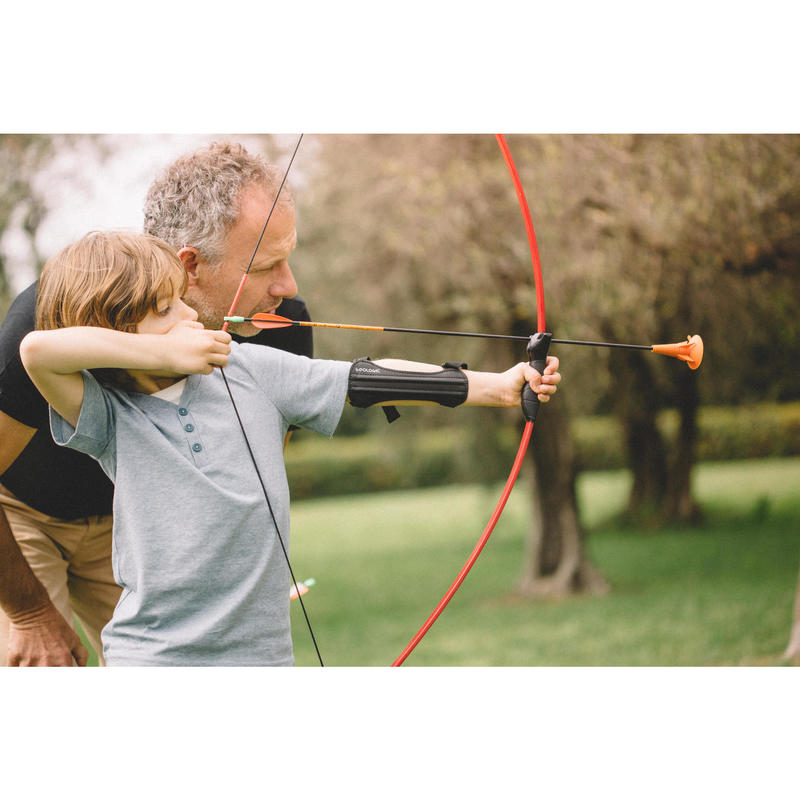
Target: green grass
x=92 y=662
x=720 y=594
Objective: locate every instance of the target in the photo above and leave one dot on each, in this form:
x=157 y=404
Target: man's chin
x=244 y=329
x=214 y=321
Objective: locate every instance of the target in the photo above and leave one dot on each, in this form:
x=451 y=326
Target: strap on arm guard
x=371 y=383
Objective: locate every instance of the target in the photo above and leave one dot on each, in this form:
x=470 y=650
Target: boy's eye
x=164 y=312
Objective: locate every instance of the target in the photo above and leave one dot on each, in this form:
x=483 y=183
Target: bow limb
x=526 y=216
x=537 y=350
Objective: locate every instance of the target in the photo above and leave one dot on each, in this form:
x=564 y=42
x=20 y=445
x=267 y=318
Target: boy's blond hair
x=107 y=279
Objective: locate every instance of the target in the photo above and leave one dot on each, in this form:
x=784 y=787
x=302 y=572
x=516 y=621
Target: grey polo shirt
x=195 y=550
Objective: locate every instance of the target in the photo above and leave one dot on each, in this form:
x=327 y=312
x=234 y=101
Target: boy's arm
x=501 y=389
x=55 y=358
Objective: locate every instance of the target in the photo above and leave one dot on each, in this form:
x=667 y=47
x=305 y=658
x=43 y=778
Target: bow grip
x=538 y=346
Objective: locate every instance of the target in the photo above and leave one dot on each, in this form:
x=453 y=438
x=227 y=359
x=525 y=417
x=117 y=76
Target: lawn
x=720 y=594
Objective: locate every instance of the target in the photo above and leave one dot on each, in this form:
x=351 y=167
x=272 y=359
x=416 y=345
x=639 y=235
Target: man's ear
x=190 y=258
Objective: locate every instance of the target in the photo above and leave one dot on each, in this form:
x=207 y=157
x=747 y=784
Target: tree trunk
x=679 y=505
x=556 y=564
x=793 y=648
x=637 y=405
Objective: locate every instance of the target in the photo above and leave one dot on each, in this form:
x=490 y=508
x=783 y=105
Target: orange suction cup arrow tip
x=690 y=351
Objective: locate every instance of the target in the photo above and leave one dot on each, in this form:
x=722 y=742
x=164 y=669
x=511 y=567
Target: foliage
x=29 y=166
x=422 y=457
x=21 y=204
x=646 y=238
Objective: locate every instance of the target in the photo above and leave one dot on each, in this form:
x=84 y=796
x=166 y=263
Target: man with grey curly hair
x=55 y=504
x=210 y=206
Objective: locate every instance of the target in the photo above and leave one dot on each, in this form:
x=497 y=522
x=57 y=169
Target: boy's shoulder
x=248 y=354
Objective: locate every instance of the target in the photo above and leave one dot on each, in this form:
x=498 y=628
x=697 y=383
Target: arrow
x=271 y=321
x=690 y=351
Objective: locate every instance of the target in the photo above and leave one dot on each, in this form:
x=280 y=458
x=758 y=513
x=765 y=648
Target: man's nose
x=284 y=284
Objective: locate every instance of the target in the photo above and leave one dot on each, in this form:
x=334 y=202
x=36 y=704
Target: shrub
x=356 y=464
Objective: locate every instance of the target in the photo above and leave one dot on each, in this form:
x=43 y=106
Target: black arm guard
x=370 y=384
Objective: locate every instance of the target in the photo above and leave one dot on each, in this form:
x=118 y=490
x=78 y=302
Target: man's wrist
x=31 y=606
x=22 y=595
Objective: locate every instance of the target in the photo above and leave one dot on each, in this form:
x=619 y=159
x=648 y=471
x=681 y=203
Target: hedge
x=348 y=465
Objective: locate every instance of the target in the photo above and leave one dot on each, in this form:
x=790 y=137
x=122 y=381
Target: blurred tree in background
x=643 y=239
x=33 y=169
x=21 y=205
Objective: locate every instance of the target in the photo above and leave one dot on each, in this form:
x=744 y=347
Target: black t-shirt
x=59 y=481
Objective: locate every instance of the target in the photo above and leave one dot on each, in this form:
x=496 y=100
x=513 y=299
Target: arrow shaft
x=384 y=329
x=459 y=333
x=416 y=330
x=376 y=328
x=603 y=344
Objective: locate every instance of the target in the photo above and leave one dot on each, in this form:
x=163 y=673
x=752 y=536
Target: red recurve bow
x=537 y=350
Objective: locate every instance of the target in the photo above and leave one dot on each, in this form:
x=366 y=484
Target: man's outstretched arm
x=39 y=635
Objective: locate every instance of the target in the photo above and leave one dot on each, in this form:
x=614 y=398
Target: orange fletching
x=266 y=321
x=690 y=351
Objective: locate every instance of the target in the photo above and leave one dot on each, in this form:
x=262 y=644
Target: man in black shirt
x=55 y=504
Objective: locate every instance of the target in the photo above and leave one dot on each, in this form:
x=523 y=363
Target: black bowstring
x=244 y=433
x=274 y=203
x=274 y=521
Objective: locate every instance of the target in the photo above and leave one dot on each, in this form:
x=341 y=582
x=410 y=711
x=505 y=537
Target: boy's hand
x=545 y=386
x=190 y=349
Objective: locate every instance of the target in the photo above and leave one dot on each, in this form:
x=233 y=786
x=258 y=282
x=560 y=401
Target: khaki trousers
x=72 y=559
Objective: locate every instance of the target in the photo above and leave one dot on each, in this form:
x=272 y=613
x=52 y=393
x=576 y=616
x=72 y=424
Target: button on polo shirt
x=189 y=427
x=175 y=395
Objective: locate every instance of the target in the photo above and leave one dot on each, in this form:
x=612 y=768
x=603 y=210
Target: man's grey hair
x=196 y=200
